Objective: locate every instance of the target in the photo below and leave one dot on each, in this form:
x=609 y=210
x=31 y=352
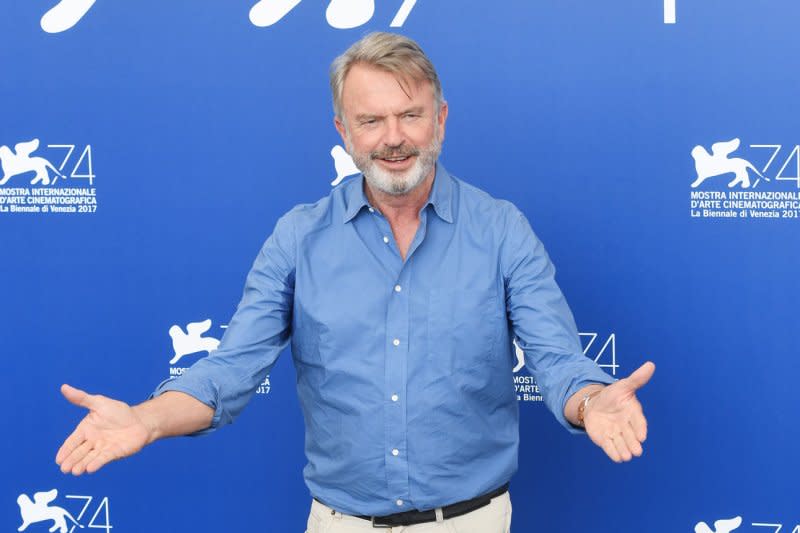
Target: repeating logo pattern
x=343 y=164
x=669 y=12
x=34 y=184
x=38 y=510
x=727 y=185
x=726 y=525
x=720 y=526
x=604 y=353
x=193 y=340
x=340 y=14
x=20 y=162
x=717 y=163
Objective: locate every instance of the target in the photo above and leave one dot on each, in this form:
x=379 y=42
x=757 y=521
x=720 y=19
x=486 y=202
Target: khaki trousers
x=492 y=518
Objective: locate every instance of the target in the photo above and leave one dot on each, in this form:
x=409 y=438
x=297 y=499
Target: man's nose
x=394 y=134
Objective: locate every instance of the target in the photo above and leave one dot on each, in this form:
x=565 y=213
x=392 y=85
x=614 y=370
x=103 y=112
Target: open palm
x=614 y=418
x=112 y=430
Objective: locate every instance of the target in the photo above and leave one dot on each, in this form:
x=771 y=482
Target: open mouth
x=397 y=159
x=397 y=163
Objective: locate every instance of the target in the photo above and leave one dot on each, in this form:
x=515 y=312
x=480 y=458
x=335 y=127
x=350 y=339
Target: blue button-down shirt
x=404 y=368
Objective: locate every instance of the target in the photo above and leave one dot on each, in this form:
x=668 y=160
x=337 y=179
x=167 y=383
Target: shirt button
x=396 y=342
x=371 y=210
x=395 y=452
x=395 y=397
x=399 y=503
x=385 y=238
x=398 y=288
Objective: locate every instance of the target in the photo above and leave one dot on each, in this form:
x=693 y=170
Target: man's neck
x=401 y=208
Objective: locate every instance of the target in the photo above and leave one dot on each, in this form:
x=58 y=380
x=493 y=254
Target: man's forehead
x=368 y=85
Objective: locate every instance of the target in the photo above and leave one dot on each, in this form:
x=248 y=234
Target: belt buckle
x=379 y=525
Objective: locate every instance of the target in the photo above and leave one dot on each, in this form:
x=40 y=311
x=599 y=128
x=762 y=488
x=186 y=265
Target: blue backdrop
x=180 y=131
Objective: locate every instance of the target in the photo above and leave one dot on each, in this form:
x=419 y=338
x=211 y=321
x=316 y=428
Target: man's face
x=392 y=132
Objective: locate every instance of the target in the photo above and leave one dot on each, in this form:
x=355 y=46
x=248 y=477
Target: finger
x=101 y=459
x=76 y=455
x=622 y=448
x=641 y=375
x=630 y=441
x=77 y=396
x=80 y=466
x=639 y=425
x=608 y=446
x=70 y=444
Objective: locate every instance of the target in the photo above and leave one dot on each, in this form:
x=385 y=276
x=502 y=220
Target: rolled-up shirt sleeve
x=258 y=332
x=542 y=322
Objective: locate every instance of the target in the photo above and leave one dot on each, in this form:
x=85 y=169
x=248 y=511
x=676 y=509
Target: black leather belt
x=409 y=518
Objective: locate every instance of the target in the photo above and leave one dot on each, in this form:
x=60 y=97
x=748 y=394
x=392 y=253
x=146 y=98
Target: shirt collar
x=441 y=196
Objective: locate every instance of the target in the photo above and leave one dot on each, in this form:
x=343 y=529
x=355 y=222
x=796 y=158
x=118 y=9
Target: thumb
x=77 y=396
x=641 y=375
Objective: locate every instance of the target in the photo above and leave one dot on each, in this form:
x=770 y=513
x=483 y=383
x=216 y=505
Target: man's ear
x=441 y=119
x=342 y=129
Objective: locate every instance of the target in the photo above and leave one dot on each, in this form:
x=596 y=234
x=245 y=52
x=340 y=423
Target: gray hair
x=389 y=52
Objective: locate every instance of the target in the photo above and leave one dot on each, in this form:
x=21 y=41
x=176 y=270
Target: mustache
x=400 y=151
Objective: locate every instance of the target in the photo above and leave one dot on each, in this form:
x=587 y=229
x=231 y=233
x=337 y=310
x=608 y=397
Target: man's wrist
x=583 y=406
x=576 y=400
x=148 y=418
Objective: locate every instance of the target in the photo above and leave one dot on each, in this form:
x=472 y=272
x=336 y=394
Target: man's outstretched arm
x=545 y=331
x=113 y=429
x=214 y=390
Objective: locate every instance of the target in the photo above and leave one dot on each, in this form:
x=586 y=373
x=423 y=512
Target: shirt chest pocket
x=463 y=326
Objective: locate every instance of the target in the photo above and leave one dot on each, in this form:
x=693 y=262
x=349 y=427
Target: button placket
x=397 y=335
x=385 y=233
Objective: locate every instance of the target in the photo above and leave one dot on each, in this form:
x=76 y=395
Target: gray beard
x=399 y=183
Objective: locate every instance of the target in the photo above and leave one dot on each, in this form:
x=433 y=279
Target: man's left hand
x=614 y=419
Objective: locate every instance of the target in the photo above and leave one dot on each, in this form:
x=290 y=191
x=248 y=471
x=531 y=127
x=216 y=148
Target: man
x=401 y=292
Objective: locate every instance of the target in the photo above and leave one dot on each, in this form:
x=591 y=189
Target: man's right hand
x=112 y=430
